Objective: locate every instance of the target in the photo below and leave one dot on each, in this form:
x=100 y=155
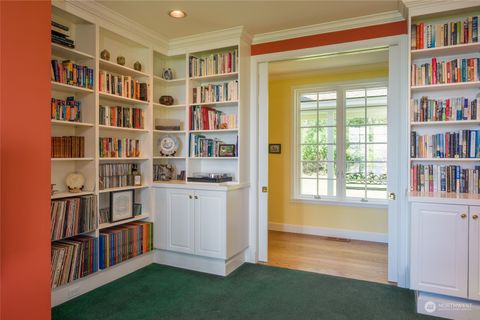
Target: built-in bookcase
x=446 y=106
x=90 y=40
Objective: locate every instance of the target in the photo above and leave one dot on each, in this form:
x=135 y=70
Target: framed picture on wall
x=274 y=148
x=121 y=205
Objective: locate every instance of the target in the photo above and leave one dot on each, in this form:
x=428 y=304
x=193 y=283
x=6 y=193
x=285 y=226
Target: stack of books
x=441 y=178
x=61 y=35
x=65 y=110
x=68 y=147
x=451 y=109
x=445 y=71
x=461 y=144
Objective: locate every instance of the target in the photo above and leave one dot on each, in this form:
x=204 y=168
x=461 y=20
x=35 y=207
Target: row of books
x=123 y=86
x=448 y=71
x=68 y=147
x=124 y=117
x=119 y=148
x=444 y=34
x=124 y=242
x=72 y=74
x=451 y=109
x=66 y=110
x=60 y=34
x=72 y=216
x=117 y=175
x=207 y=118
x=217 y=63
x=440 y=178
x=73 y=259
x=226 y=91
x=461 y=144
x=202 y=147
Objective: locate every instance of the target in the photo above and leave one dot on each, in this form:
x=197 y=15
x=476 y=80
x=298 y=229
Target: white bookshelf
x=470 y=90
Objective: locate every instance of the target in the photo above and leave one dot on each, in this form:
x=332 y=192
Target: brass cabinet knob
x=475 y=217
x=196 y=197
x=463 y=215
x=190 y=197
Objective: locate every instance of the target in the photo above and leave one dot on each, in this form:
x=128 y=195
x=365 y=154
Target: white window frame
x=340 y=199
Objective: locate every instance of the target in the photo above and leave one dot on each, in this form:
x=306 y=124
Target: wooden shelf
x=214 y=131
x=60 y=195
x=165 y=157
x=124 y=159
x=122 y=189
x=169 y=131
x=171 y=182
x=70 y=123
x=173 y=81
x=77 y=234
x=459 y=49
x=155 y=104
x=57 y=86
x=73 y=159
x=444 y=197
x=220 y=103
x=122 y=70
x=445 y=159
x=114 y=97
x=101 y=126
x=215 y=77
x=213 y=158
x=113 y=224
x=69 y=54
x=447 y=86
x=447 y=123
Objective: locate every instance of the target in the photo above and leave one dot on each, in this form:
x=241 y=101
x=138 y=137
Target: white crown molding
x=364 y=21
x=423 y=7
x=106 y=17
x=205 y=40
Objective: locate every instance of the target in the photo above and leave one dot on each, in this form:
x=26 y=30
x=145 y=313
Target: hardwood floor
x=346 y=258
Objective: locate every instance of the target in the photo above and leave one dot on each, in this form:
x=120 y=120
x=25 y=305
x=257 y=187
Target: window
x=341 y=143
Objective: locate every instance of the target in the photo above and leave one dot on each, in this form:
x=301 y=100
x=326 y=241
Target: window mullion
x=340 y=144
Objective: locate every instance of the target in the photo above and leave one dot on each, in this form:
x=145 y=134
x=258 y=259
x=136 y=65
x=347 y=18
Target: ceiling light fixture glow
x=177 y=14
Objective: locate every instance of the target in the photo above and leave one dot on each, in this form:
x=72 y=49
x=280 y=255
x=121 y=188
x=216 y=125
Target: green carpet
x=251 y=292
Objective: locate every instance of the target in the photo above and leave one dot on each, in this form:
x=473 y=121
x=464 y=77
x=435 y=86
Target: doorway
x=395 y=222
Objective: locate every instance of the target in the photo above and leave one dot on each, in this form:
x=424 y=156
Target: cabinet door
x=180 y=220
x=474 y=256
x=210 y=212
x=439 y=261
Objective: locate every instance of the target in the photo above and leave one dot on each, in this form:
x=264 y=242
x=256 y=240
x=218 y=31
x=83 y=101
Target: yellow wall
x=281 y=208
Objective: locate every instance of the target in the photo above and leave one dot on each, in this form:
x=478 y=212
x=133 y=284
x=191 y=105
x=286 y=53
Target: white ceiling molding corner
x=364 y=21
x=423 y=7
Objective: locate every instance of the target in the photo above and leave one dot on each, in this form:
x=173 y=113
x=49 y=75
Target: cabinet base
x=447 y=307
x=202 y=264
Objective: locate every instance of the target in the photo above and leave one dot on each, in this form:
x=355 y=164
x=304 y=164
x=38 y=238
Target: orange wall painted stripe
x=324 y=39
x=25 y=159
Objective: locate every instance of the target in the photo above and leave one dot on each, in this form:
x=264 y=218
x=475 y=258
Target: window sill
x=343 y=203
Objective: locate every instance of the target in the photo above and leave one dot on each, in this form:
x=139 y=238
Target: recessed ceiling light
x=177 y=14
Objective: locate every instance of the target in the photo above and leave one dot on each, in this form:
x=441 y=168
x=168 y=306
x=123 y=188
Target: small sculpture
x=105 y=55
x=121 y=60
x=167 y=74
x=137 y=66
x=166 y=100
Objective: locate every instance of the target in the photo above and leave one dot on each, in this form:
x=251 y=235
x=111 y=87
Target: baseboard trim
x=197 y=263
x=329 y=232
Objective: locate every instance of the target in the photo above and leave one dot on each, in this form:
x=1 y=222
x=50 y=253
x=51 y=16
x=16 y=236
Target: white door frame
x=398 y=221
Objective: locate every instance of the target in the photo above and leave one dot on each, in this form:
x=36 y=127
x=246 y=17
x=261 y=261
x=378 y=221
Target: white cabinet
x=474 y=254
x=445 y=240
x=210 y=211
x=180 y=221
x=203 y=223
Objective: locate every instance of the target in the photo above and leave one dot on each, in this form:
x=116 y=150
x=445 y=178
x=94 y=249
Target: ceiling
x=375 y=58
x=256 y=16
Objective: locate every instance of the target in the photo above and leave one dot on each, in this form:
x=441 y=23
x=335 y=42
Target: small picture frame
x=137 y=180
x=137 y=209
x=121 y=205
x=226 y=150
x=274 y=148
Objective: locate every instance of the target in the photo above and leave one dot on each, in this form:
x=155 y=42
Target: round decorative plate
x=75 y=181
x=167 y=145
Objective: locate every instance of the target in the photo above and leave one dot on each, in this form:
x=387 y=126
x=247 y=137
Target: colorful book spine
x=123 y=117
x=461 y=144
x=123 y=86
x=221 y=92
x=118 y=244
x=207 y=118
x=213 y=64
x=451 y=109
x=444 y=178
x=119 y=148
x=72 y=74
x=445 y=71
x=66 y=110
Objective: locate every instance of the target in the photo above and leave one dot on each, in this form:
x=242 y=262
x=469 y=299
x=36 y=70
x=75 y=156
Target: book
x=213 y=64
x=119 y=147
x=70 y=73
x=66 y=110
x=123 y=117
x=123 y=86
x=207 y=118
x=215 y=92
x=444 y=178
x=450 y=109
x=117 y=175
x=68 y=147
x=460 y=144
x=445 y=71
